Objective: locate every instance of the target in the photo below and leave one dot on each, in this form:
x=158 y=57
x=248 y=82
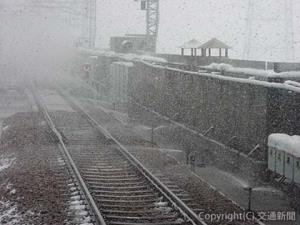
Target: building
x=128 y=43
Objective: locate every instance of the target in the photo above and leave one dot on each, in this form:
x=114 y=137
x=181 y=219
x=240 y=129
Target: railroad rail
x=119 y=190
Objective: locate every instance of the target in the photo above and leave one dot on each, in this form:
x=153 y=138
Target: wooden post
x=195 y=51
x=182 y=51
x=192 y=52
x=209 y=52
x=226 y=53
x=220 y=52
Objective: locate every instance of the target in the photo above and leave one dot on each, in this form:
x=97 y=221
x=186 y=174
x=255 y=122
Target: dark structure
x=214 y=43
x=128 y=43
x=206 y=48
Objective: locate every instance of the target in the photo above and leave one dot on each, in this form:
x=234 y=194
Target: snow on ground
x=9 y=213
x=61 y=161
x=9 y=186
x=5 y=128
x=6 y=162
x=77 y=207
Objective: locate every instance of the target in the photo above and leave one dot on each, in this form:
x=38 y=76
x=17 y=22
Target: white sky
x=182 y=20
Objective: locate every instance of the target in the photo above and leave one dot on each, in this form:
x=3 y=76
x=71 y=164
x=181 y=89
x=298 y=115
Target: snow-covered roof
x=191 y=44
x=214 y=43
x=286 y=143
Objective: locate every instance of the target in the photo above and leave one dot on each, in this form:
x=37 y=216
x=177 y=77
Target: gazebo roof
x=214 y=43
x=191 y=44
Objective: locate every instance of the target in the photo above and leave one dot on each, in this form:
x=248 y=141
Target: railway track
x=118 y=189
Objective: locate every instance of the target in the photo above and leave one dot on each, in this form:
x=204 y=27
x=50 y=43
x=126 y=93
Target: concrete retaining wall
x=236 y=116
x=235 y=112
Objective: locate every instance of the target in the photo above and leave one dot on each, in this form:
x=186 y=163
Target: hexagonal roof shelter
x=214 y=43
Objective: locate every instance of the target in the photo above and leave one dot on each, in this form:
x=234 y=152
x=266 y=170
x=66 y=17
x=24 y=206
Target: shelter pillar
x=203 y=52
x=226 y=53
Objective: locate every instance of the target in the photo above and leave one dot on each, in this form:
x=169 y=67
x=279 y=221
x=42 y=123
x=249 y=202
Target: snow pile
x=5 y=128
x=218 y=66
x=6 y=162
x=60 y=161
x=251 y=71
x=162 y=206
x=292 y=83
x=9 y=214
x=256 y=72
x=10 y=188
x=286 y=143
x=9 y=211
x=77 y=207
x=230 y=68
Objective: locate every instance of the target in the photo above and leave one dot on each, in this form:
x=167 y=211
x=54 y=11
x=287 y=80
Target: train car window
x=288 y=160
x=279 y=156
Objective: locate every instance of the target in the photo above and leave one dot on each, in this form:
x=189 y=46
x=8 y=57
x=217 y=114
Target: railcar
x=284 y=156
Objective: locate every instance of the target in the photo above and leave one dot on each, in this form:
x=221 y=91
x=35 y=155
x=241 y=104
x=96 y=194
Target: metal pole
x=249 y=198
x=152 y=134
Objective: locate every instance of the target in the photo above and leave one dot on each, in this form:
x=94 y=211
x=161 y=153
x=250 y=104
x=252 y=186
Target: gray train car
x=284 y=156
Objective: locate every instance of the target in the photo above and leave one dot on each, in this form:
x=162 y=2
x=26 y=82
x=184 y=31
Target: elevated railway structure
x=201 y=99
